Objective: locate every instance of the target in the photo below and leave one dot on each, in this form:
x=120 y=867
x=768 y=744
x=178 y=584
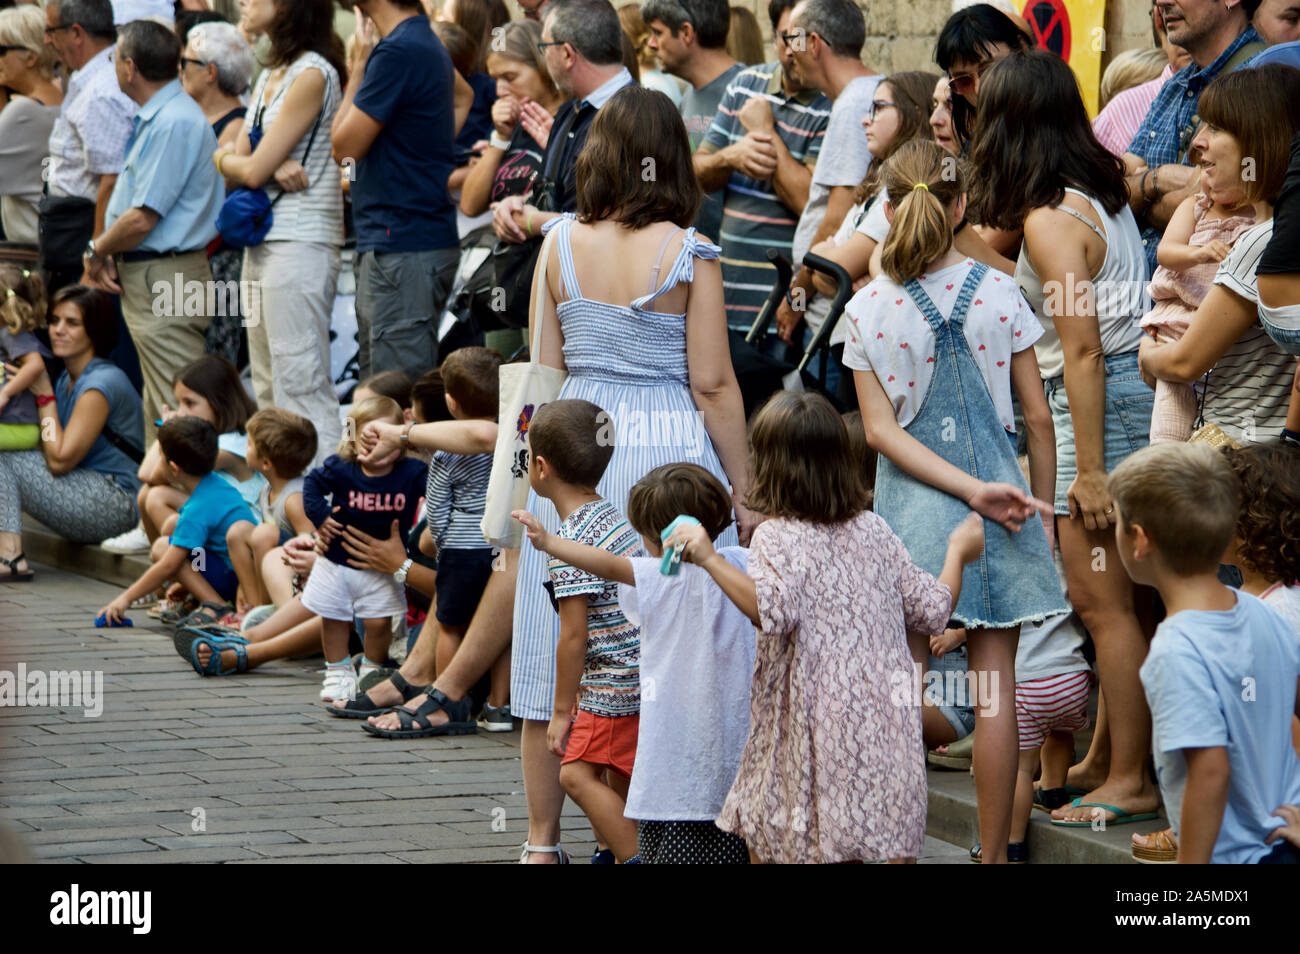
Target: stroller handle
x=843 y=291
x=784 y=275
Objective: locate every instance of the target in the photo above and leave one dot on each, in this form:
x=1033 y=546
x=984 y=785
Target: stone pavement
x=247 y=768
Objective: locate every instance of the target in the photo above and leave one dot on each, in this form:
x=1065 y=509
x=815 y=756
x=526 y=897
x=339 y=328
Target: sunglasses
x=12 y=49
x=963 y=84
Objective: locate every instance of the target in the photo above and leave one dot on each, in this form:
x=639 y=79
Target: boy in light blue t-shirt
x=1223 y=671
x=195 y=554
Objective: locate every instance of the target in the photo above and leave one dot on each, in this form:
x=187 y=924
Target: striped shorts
x=1052 y=704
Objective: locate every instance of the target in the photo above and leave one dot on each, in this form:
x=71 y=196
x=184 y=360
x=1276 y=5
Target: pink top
x=1116 y=125
x=1177 y=295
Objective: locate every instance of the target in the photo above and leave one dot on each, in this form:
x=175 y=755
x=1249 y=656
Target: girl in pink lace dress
x=834 y=767
x=1199 y=236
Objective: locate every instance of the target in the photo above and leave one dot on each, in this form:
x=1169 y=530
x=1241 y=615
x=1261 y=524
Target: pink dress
x=1176 y=296
x=834 y=767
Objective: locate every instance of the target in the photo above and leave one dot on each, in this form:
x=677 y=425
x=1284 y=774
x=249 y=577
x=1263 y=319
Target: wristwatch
x=400 y=575
x=90 y=250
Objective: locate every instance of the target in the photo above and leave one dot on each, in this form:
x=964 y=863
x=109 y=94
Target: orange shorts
x=601 y=740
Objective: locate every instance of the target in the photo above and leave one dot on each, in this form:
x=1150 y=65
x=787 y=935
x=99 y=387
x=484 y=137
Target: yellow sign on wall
x=1074 y=30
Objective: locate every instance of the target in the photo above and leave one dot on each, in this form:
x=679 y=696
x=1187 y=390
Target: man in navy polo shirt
x=395 y=128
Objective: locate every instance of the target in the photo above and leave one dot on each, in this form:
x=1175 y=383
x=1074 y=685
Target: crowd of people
x=1069 y=467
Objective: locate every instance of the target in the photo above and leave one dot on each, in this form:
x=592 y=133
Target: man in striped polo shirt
x=762 y=145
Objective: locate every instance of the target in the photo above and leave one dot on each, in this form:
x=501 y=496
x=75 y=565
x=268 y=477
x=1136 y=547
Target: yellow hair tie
x=921 y=185
x=26 y=273
x=9 y=293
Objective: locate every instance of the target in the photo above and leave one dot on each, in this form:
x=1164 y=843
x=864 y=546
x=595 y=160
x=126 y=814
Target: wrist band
x=220 y=158
x=528 y=222
x=1150 y=198
x=496 y=142
x=44 y=399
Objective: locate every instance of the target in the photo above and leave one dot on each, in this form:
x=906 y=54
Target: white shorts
x=342 y=592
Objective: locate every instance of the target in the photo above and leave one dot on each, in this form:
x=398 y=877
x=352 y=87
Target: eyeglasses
x=797 y=40
x=963 y=84
x=542 y=46
x=55 y=29
x=198 y=63
x=876 y=106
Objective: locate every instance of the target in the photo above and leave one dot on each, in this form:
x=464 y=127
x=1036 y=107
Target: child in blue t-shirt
x=1222 y=672
x=370 y=497
x=195 y=554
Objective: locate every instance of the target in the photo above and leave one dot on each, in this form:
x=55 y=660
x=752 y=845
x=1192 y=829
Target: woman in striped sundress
x=659 y=365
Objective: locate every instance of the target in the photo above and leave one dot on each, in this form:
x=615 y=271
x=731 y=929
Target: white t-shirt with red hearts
x=889 y=335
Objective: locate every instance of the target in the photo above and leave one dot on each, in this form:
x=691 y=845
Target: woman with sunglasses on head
x=1083 y=269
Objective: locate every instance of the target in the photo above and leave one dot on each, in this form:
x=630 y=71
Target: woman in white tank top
x=1083 y=271
x=290 y=278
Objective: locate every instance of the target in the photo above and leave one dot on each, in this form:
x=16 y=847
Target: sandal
x=183 y=637
x=1050 y=799
x=1162 y=850
x=217 y=646
x=207 y=614
x=175 y=612
x=416 y=725
x=15 y=575
x=1017 y=853
x=528 y=849
x=362 y=706
x=1121 y=817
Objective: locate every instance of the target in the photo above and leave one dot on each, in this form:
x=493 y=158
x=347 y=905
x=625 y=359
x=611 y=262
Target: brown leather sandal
x=1161 y=849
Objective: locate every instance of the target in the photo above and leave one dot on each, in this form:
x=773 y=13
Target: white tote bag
x=524 y=388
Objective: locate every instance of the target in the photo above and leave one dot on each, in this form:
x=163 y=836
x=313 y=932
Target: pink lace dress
x=834 y=767
x=1175 y=297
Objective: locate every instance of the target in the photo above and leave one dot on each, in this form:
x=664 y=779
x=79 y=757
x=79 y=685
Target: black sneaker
x=496 y=719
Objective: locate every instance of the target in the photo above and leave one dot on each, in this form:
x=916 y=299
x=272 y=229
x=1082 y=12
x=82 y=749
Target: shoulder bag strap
x=539 y=312
x=122 y=444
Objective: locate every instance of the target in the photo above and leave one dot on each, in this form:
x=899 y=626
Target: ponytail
x=922 y=181
x=22 y=299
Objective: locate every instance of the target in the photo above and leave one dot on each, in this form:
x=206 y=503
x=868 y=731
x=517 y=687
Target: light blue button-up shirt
x=168 y=168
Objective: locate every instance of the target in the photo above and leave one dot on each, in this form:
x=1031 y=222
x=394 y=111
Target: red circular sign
x=1050 y=22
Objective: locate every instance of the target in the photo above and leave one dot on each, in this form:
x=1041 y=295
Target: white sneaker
x=133 y=541
x=340 y=683
x=366 y=668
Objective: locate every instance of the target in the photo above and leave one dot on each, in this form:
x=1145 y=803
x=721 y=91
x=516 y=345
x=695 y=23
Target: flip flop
x=217 y=646
x=1121 y=817
x=416 y=725
x=361 y=706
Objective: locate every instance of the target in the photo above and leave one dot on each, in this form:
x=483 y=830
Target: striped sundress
x=631 y=362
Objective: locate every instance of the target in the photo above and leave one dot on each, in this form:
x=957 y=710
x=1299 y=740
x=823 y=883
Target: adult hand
x=1006 y=504
x=291 y=177
x=507 y=219
x=787 y=319
x=1291 y=830
x=537 y=121
x=364 y=38
x=370 y=553
x=505 y=116
x=378 y=440
x=756 y=115
x=1146 y=350
x=754 y=156
x=1090 y=500
x=747 y=521
x=300 y=553
x=101 y=273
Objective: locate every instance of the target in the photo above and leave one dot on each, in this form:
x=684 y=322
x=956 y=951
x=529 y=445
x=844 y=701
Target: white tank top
x=1120 y=288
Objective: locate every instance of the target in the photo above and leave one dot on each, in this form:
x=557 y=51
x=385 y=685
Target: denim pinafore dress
x=1014 y=581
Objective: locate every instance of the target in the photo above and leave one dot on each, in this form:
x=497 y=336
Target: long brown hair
x=911 y=94
x=922 y=181
x=636 y=165
x=801 y=465
x=305 y=26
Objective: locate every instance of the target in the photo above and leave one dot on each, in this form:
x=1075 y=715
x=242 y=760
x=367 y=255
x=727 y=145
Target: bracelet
x=43 y=399
x=528 y=223
x=1150 y=198
x=217 y=161
x=406 y=433
x=496 y=142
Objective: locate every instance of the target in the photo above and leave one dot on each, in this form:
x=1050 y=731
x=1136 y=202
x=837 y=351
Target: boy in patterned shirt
x=597 y=681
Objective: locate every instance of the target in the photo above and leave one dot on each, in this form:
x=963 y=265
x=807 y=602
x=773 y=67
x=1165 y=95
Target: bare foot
x=1134 y=801
x=392 y=721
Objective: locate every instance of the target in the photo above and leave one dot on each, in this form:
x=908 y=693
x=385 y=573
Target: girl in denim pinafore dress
x=956 y=402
